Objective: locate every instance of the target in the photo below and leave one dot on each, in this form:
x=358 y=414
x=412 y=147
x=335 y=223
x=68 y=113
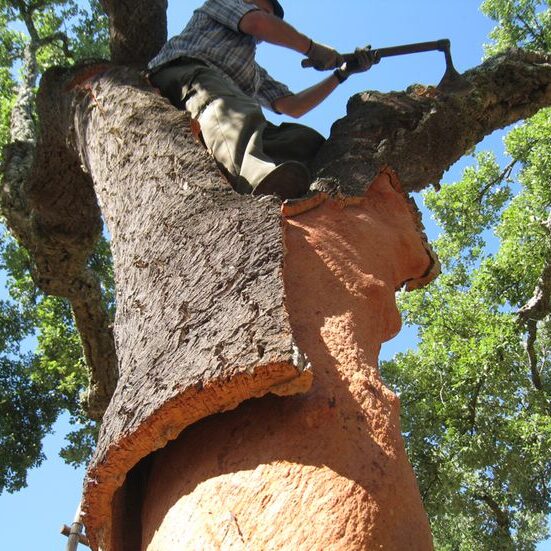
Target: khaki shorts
x=246 y=146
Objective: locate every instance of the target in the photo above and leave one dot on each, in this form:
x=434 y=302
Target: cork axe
x=451 y=79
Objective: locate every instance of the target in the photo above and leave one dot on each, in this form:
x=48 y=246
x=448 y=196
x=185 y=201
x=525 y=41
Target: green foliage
x=27 y=410
x=27 y=413
x=10 y=45
x=87 y=29
x=477 y=427
x=476 y=430
x=82 y=442
x=522 y=23
x=37 y=387
x=90 y=33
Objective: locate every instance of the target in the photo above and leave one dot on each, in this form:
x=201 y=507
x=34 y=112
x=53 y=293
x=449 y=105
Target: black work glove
x=362 y=60
x=322 y=57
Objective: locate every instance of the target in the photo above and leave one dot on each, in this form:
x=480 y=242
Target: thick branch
x=27 y=16
x=49 y=205
x=18 y=156
x=536 y=309
x=54 y=215
x=22 y=127
x=539 y=306
x=504 y=175
x=500 y=516
x=532 y=335
x=66 y=225
x=421 y=132
x=137 y=29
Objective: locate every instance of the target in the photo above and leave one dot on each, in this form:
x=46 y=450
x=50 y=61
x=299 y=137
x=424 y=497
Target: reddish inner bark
x=326 y=469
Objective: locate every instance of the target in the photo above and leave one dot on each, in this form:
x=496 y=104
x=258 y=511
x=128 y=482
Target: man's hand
x=322 y=57
x=363 y=60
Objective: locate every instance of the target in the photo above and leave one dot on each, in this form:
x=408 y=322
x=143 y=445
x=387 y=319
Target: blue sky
x=30 y=519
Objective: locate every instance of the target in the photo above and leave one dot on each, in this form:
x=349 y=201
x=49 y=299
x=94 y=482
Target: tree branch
x=532 y=330
x=538 y=35
x=36 y=41
x=58 y=37
x=505 y=173
x=539 y=306
x=501 y=517
x=19 y=154
x=26 y=14
x=137 y=29
x=55 y=216
x=35 y=212
x=536 y=309
x=421 y=132
x=473 y=404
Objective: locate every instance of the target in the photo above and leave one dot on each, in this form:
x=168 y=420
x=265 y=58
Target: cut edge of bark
x=434 y=267
x=297 y=207
x=193 y=404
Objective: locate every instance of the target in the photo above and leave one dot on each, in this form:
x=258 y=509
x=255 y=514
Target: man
x=210 y=71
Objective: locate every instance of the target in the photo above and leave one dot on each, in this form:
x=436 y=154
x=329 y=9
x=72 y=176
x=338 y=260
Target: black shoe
x=289 y=180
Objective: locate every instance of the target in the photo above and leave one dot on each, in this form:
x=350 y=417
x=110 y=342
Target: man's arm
x=298 y=104
x=270 y=28
x=267 y=27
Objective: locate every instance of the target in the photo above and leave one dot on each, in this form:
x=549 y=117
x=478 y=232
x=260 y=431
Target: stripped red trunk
x=324 y=470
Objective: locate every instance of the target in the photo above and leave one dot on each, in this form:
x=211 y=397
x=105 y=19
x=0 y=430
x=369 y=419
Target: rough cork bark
x=422 y=131
x=200 y=323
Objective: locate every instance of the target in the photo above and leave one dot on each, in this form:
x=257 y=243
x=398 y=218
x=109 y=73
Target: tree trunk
x=211 y=312
x=324 y=470
x=200 y=323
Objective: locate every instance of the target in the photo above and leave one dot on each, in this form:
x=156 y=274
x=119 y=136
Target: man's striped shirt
x=213 y=36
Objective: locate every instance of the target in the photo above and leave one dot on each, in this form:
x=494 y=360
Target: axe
x=451 y=77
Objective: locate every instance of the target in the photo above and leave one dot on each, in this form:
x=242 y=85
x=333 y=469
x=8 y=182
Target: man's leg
x=292 y=141
x=232 y=126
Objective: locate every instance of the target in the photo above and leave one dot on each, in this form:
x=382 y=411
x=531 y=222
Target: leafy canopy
x=35 y=387
x=476 y=406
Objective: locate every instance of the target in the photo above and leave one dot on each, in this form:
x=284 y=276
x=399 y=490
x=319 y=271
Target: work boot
x=289 y=180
